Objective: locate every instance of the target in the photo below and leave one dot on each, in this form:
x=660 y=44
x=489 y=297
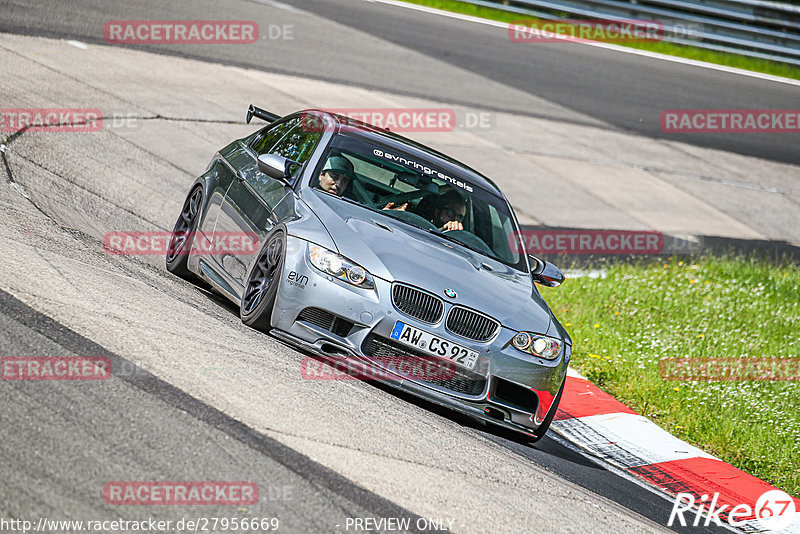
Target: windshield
x=416 y=192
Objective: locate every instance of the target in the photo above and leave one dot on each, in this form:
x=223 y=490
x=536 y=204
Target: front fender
x=307 y=226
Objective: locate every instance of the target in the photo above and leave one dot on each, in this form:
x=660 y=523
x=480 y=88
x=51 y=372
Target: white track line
x=575 y=374
x=78 y=44
x=627 y=440
x=624 y=441
x=624 y=49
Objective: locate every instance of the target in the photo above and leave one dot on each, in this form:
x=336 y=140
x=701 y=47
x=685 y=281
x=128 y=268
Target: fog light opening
x=494 y=413
x=332 y=350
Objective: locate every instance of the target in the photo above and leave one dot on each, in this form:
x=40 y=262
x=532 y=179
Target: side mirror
x=545 y=273
x=276 y=166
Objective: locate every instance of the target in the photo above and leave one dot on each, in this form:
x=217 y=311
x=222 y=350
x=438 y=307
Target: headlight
x=537 y=345
x=340 y=267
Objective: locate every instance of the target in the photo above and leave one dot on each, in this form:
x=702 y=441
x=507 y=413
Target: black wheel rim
x=263 y=274
x=185 y=225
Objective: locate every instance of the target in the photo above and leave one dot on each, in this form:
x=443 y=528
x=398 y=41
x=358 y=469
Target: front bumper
x=506 y=387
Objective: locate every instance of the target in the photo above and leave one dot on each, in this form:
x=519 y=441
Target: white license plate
x=434 y=345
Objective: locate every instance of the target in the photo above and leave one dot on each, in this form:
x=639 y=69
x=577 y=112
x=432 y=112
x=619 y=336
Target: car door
x=221 y=177
x=250 y=202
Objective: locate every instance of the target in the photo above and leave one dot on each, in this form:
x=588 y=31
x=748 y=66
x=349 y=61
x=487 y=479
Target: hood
x=396 y=251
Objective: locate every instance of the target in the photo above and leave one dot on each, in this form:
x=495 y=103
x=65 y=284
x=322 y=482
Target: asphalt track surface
x=136 y=426
x=144 y=429
x=347 y=42
x=68 y=438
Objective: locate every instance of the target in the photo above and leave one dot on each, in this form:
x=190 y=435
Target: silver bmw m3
x=376 y=249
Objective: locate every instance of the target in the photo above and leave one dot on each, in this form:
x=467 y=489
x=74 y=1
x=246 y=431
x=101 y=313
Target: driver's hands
x=393 y=206
x=452 y=225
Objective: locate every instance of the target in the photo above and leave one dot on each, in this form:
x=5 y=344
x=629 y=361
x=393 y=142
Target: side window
x=295 y=139
x=272 y=135
x=299 y=143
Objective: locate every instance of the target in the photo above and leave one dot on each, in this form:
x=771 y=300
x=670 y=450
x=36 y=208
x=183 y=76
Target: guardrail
x=755 y=28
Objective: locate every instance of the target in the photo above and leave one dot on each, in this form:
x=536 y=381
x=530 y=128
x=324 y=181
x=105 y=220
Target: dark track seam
x=316 y=474
x=3 y=147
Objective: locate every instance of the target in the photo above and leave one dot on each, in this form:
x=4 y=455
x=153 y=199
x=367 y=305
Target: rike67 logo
x=774 y=510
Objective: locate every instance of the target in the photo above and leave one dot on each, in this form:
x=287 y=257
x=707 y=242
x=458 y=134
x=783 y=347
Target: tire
x=180 y=242
x=261 y=288
x=542 y=430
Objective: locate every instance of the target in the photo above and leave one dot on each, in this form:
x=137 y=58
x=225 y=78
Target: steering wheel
x=399 y=198
x=409 y=217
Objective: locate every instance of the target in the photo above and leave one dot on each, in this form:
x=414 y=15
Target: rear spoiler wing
x=262 y=114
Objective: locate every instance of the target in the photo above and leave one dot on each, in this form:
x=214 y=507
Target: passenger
x=447 y=212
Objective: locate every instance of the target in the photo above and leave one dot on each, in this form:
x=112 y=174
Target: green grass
x=721 y=58
x=624 y=324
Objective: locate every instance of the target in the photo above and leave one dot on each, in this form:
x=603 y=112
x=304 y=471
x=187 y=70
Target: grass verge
x=700 y=54
x=624 y=324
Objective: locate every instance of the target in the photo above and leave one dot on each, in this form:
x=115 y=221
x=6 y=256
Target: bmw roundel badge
x=449 y=293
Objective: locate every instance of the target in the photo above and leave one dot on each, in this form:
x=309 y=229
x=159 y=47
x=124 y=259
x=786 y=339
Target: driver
x=449 y=212
x=336 y=175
